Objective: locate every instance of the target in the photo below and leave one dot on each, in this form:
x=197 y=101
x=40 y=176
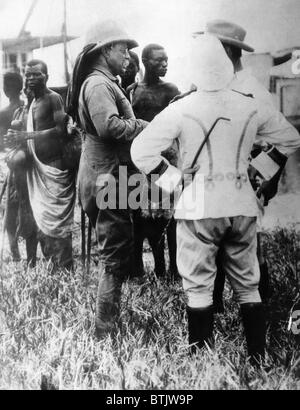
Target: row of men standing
x=40 y=188
x=149 y=98
x=115 y=137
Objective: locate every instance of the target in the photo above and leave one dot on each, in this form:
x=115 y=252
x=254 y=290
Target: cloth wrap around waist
x=51 y=193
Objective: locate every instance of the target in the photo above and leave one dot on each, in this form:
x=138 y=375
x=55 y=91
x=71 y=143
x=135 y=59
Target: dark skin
x=129 y=76
x=150 y=97
x=153 y=95
x=48 y=117
x=6 y=115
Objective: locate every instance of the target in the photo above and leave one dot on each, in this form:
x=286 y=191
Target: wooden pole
x=65 y=39
x=23 y=29
x=83 y=243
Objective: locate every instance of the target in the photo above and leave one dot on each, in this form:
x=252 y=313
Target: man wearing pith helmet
x=101 y=108
x=232 y=37
x=216 y=128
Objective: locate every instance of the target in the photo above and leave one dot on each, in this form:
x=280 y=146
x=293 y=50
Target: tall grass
x=47 y=332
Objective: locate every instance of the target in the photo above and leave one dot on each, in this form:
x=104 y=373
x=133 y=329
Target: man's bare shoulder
x=54 y=100
x=171 y=86
x=53 y=95
x=171 y=90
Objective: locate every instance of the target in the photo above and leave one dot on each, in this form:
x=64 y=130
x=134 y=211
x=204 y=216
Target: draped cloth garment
x=51 y=193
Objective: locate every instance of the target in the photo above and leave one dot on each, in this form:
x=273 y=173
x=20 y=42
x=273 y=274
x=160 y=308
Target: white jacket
x=224 y=160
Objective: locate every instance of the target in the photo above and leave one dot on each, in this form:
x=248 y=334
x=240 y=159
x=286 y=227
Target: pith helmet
x=108 y=32
x=209 y=67
x=228 y=33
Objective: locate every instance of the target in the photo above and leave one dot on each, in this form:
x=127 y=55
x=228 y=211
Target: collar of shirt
x=109 y=75
x=106 y=72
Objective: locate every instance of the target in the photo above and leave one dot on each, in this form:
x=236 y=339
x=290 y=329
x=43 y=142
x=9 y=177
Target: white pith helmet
x=107 y=32
x=210 y=69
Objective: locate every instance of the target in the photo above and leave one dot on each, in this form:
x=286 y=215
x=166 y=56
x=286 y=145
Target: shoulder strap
x=86 y=111
x=245 y=95
x=183 y=95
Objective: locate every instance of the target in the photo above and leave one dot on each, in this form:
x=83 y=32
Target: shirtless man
x=149 y=98
x=153 y=94
x=48 y=116
x=47 y=133
x=12 y=87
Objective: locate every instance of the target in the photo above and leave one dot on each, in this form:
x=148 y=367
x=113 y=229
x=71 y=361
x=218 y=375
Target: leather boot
x=200 y=326
x=254 y=321
x=108 y=301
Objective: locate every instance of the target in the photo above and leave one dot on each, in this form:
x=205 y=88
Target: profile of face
x=117 y=57
x=157 y=63
x=35 y=78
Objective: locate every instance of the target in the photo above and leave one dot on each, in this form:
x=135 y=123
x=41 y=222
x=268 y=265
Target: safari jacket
x=110 y=126
x=224 y=160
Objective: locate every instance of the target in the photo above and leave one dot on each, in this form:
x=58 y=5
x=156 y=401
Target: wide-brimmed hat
x=209 y=67
x=228 y=33
x=107 y=32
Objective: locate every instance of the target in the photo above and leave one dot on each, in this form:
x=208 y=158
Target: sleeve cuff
x=169 y=179
x=277 y=157
x=265 y=165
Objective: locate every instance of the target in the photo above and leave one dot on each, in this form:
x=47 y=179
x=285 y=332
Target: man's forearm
x=125 y=130
x=50 y=133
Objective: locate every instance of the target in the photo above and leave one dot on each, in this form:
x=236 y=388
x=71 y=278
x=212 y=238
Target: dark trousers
x=114 y=231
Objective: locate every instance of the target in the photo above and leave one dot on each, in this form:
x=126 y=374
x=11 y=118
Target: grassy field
x=47 y=332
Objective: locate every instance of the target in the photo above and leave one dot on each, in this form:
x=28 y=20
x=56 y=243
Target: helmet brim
x=230 y=41
x=129 y=41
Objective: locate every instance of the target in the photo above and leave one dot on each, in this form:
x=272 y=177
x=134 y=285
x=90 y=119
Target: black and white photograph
x=149 y=197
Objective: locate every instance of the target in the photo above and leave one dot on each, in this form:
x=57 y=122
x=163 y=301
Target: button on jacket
x=225 y=158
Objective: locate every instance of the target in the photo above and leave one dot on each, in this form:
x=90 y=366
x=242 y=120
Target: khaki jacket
x=225 y=158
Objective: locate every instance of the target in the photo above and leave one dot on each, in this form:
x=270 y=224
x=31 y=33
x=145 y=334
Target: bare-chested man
x=51 y=190
x=153 y=94
x=12 y=87
x=149 y=98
